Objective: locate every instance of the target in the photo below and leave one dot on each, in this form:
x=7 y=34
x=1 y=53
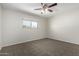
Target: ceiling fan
x=45 y=7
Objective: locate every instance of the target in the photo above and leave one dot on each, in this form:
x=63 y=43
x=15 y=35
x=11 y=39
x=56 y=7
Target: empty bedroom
x=39 y=29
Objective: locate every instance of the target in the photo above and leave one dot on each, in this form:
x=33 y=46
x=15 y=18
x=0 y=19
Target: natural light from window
x=34 y=24
x=30 y=24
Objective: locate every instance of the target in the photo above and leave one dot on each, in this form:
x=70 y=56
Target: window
x=34 y=24
x=26 y=23
x=29 y=24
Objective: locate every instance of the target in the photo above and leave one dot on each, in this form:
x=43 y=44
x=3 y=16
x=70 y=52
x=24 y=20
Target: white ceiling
x=29 y=7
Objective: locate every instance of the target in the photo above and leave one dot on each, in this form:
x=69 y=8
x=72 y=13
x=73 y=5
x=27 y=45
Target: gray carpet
x=42 y=47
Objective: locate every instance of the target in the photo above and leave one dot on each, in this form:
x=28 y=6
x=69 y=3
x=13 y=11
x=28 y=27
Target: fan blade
x=38 y=9
x=52 y=5
x=50 y=10
x=42 y=4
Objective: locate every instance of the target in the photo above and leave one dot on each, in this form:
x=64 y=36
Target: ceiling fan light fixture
x=42 y=11
x=46 y=8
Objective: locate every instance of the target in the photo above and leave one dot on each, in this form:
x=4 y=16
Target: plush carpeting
x=42 y=47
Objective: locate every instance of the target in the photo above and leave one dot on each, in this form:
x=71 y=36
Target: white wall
x=0 y=26
x=14 y=33
x=65 y=26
